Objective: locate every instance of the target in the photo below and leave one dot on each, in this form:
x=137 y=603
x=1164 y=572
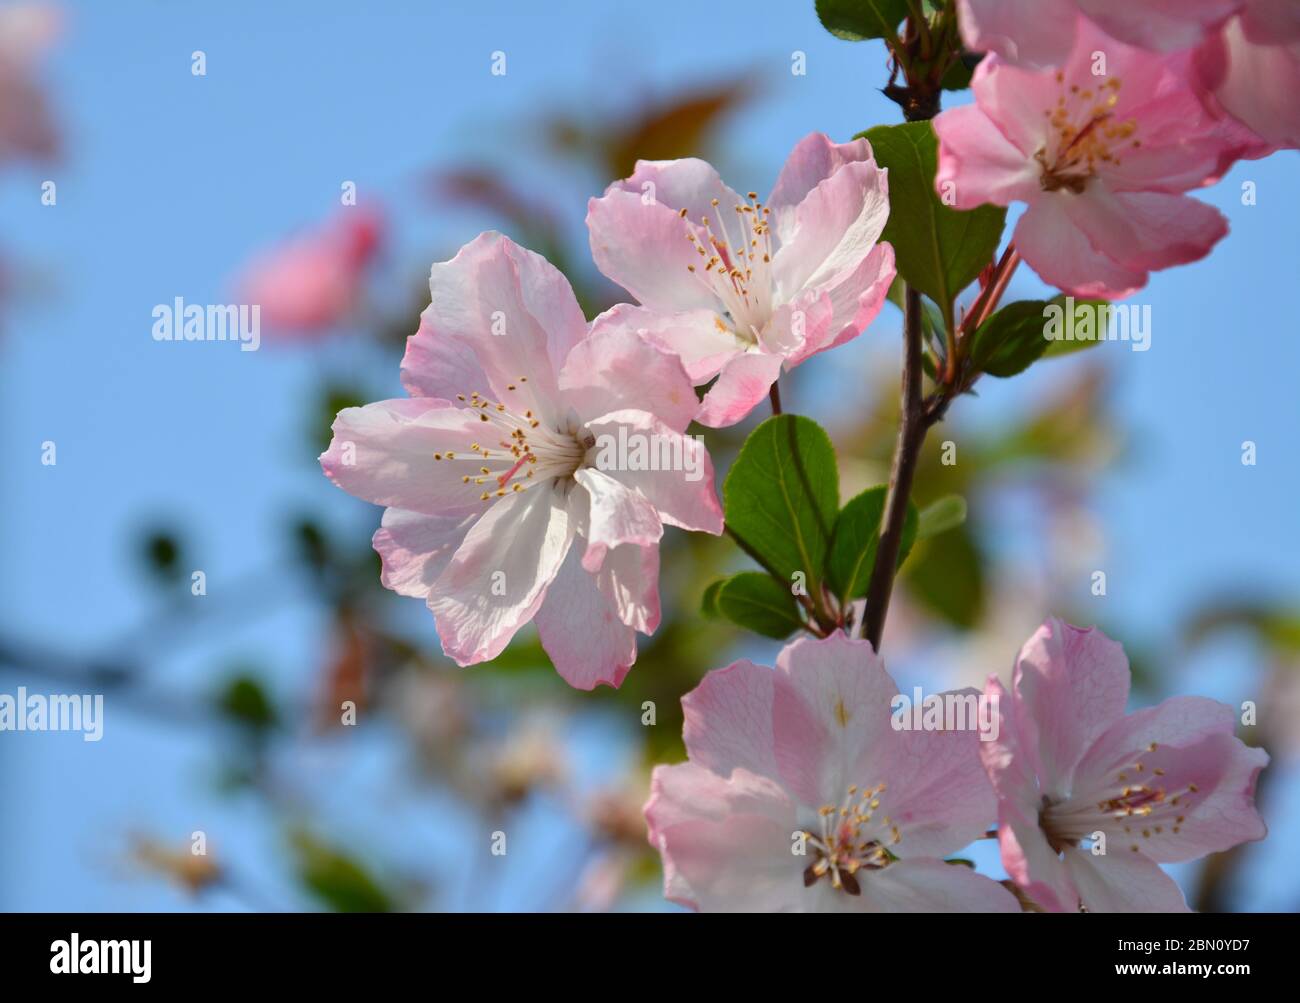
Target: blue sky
x=171 y=180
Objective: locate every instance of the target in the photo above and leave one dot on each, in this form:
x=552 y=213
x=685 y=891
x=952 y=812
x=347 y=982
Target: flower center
x=737 y=264
x=515 y=449
x=1142 y=799
x=1084 y=135
x=850 y=838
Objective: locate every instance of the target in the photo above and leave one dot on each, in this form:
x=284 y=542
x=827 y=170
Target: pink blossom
x=311 y=283
x=1248 y=58
x=806 y=757
x=1164 y=784
x=491 y=471
x=1101 y=151
x=1252 y=70
x=1040 y=34
x=739 y=288
x=26 y=32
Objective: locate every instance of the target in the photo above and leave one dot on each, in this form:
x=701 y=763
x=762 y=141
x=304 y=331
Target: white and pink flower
x=1101 y=150
x=497 y=513
x=1160 y=785
x=801 y=796
x=740 y=288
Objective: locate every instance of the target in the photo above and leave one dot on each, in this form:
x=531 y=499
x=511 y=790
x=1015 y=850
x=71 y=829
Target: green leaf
x=947 y=513
x=243 y=699
x=337 y=879
x=939 y=250
x=781 y=497
x=1087 y=327
x=1011 y=340
x=709 y=601
x=161 y=552
x=857 y=535
x=958 y=75
x=948 y=580
x=857 y=20
x=758 y=602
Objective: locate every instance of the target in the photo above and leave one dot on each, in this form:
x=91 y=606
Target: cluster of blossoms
x=1100 y=115
x=799 y=792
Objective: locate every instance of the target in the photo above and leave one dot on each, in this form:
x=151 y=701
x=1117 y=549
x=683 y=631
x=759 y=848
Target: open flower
x=800 y=795
x=310 y=284
x=1100 y=150
x=1165 y=784
x=738 y=287
x=501 y=462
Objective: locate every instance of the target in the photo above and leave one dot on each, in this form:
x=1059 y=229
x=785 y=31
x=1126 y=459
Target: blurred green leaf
x=758 y=602
x=337 y=879
x=709 y=601
x=311 y=543
x=1276 y=625
x=781 y=497
x=160 y=552
x=948 y=579
x=938 y=517
x=333 y=399
x=244 y=700
x=938 y=250
x=858 y=20
x=856 y=537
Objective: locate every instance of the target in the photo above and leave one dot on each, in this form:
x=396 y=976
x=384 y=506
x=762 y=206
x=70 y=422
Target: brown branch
x=911 y=434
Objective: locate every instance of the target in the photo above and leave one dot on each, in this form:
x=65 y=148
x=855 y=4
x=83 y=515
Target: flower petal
x=639 y=239
x=617 y=515
x=831 y=716
x=929 y=885
x=1053 y=246
x=834 y=228
x=1031 y=862
x=1123 y=882
x=512 y=309
x=581 y=630
x=978 y=164
x=614 y=368
x=498 y=578
x=699 y=338
x=854 y=298
x=813 y=159
x=726 y=843
x=384 y=453
x=671 y=470
x=415 y=548
x=742 y=384
x=1071 y=684
x=728 y=720
x=1029 y=32
x=1147 y=230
